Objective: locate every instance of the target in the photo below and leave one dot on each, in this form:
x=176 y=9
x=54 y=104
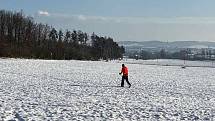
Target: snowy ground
x=85 y=90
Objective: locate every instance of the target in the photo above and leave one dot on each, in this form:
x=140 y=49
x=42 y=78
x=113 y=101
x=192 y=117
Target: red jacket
x=124 y=71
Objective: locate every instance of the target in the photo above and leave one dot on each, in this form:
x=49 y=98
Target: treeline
x=162 y=54
x=183 y=54
x=21 y=37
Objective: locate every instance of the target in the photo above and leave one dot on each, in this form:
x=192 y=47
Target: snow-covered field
x=87 y=90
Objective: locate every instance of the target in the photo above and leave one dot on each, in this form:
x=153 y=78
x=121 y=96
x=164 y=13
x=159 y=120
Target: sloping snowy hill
x=86 y=90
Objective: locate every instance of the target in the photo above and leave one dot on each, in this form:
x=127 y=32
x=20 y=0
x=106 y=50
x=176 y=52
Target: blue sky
x=123 y=20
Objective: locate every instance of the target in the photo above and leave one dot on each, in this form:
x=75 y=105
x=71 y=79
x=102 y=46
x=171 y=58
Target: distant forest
x=21 y=37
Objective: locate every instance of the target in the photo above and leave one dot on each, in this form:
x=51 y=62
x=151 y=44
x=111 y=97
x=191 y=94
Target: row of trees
x=162 y=54
x=20 y=36
x=184 y=54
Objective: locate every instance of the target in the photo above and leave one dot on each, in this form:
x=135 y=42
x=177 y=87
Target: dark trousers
x=124 y=78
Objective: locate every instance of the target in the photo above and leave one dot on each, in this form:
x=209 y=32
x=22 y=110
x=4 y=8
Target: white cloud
x=43 y=13
x=134 y=20
x=81 y=17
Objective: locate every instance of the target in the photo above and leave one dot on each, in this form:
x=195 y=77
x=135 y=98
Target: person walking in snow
x=124 y=72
